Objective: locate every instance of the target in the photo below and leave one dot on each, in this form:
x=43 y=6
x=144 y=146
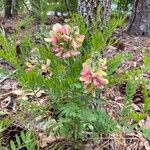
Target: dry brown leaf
x=119 y=139
x=40 y=93
x=147 y=123
x=147 y=145
x=136 y=107
x=18 y=92
x=45 y=140
x=6 y=102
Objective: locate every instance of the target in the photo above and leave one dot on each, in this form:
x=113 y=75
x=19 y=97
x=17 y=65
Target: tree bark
x=8 y=7
x=89 y=8
x=139 y=23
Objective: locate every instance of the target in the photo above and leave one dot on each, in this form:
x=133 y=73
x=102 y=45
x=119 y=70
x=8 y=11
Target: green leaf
x=146 y=132
x=136 y=116
x=91 y=127
x=146 y=61
x=131 y=88
x=0 y=144
x=78 y=85
x=13 y=146
x=23 y=137
x=147 y=103
x=18 y=140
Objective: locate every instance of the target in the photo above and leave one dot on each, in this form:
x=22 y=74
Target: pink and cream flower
x=65 y=41
x=93 y=75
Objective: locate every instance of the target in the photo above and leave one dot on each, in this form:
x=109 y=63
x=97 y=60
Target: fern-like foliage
x=146 y=61
x=116 y=61
x=8 y=53
x=96 y=122
x=131 y=88
x=99 y=39
x=126 y=113
x=24 y=140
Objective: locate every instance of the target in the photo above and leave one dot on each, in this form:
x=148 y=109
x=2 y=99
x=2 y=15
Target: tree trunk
x=8 y=6
x=89 y=9
x=139 y=23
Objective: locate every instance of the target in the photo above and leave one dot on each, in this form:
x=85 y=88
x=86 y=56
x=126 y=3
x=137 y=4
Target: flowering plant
x=93 y=74
x=65 y=40
x=61 y=81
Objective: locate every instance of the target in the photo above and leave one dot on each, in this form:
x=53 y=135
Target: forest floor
x=10 y=91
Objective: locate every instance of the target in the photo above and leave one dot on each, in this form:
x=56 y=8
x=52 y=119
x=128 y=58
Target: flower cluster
x=44 y=68
x=93 y=74
x=65 y=40
x=35 y=61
